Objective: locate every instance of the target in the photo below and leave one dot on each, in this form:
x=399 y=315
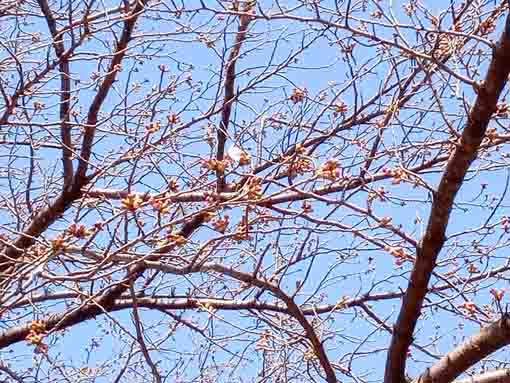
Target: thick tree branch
x=476 y=348
x=102 y=93
x=228 y=98
x=49 y=215
x=110 y=302
x=106 y=303
x=498 y=376
x=278 y=198
x=65 y=93
x=451 y=181
x=87 y=311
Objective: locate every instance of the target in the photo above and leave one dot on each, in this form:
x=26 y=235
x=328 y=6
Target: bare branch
x=432 y=242
x=487 y=341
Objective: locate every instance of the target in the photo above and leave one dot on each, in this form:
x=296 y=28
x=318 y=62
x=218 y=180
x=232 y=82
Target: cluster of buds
x=173 y=186
x=173 y=118
x=398 y=174
x=487 y=26
x=457 y=27
x=472 y=268
x=329 y=170
x=299 y=148
x=376 y=14
x=409 y=8
x=206 y=307
x=36 y=37
x=380 y=124
x=211 y=198
x=399 y=254
x=38 y=105
x=146 y=114
x=221 y=224
x=237 y=154
x=347 y=49
x=161 y=205
x=298 y=95
x=208 y=215
x=469 y=306
x=502 y=109
x=244 y=159
x=299 y=166
x=340 y=108
x=153 y=127
x=176 y=239
x=242 y=231
x=78 y=231
x=215 y=165
x=392 y=109
x=235 y=5
x=58 y=244
x=37 y=331
x=505 y=223
x=307 y=207
x=132 y=202
x=497 y=293
x=491 y=135
x=380 y=193
x=203 y=38
x=36 y=252
x=359 y=143
x=253 y=188
x=309 y=354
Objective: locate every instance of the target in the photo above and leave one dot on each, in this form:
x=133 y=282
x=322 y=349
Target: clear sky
x=192 y=49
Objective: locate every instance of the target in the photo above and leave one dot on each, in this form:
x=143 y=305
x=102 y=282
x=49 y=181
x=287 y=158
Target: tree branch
x=451 y=181
x=498 y=376
x=476 y=348
x=104 y=88
x=229 y=95
x=106 y=303
x=65 y=93
x=49 y=215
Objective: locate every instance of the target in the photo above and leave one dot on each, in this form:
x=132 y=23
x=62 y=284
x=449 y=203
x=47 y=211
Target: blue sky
x=321 y=69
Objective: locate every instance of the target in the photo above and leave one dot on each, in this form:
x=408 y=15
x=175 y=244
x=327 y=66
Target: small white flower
x=235 y=153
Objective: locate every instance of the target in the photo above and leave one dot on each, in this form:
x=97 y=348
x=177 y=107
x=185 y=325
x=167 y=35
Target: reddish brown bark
x=432 y=242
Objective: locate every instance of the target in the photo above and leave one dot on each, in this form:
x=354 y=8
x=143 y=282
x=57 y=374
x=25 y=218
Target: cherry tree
x=266 y=191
